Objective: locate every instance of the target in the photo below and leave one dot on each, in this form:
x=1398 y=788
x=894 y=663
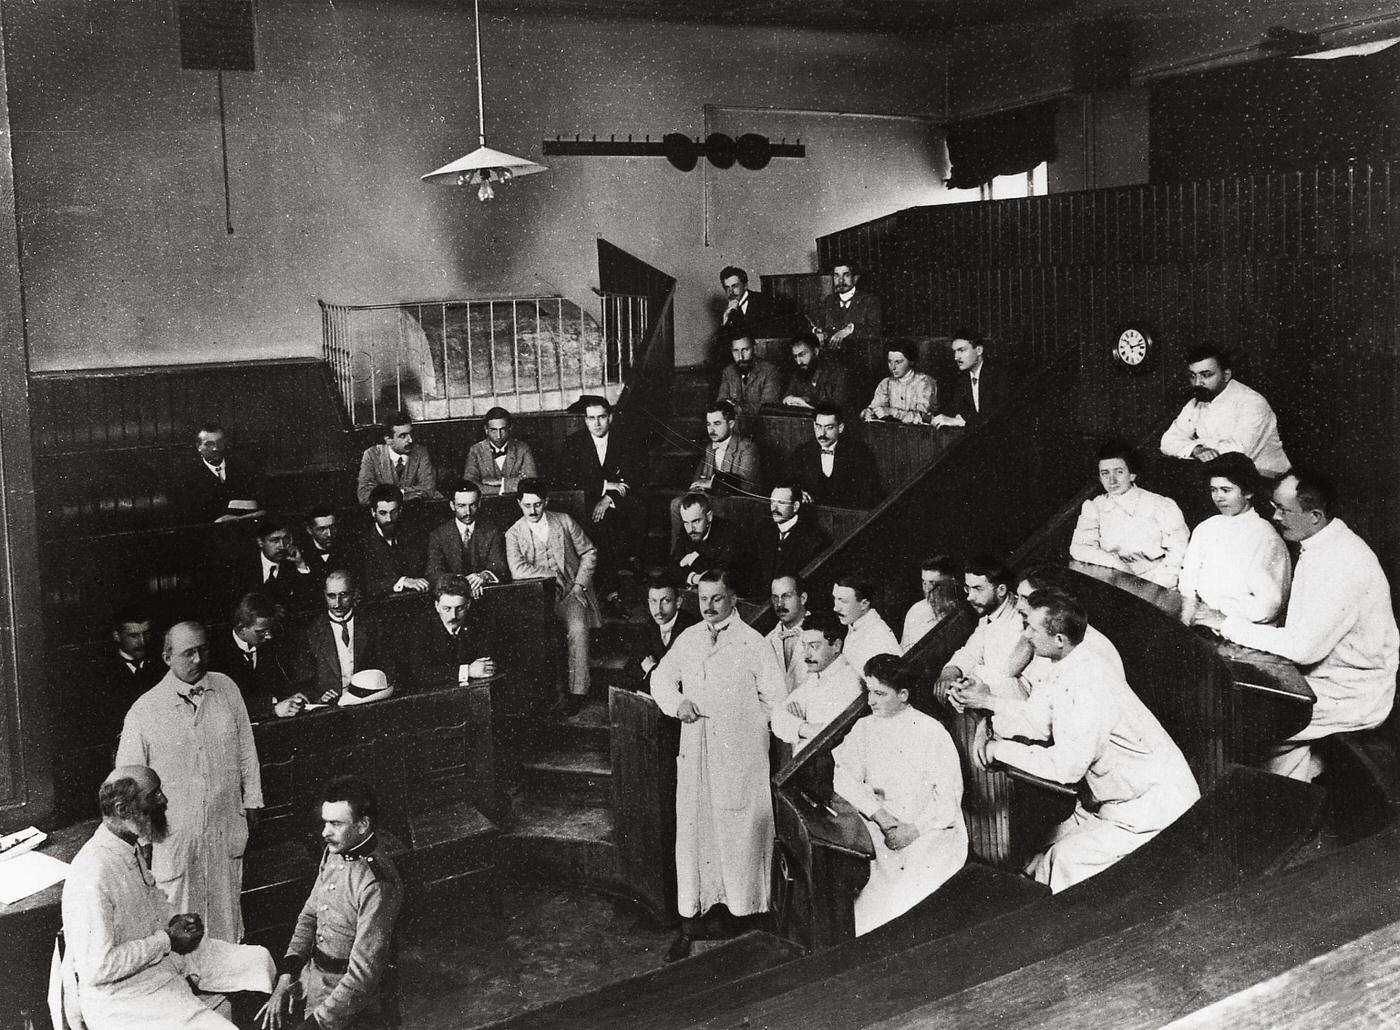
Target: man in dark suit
x=849 y=317
x=977 y=394
x=448 y=647
x=275 y=567
x=132 y=670
x=321 y=545
x=817 y=378
x=217 y=488
x=250 y=655
x=390 y=561
x=340 y=641
x=708 y=541
x=790 y=541
x=611 y=475
x=755 y=313
x=831 y=470
x=464 y=546
x=667 y=622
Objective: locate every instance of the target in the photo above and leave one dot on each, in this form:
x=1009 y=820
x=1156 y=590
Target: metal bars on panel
x=446 y=359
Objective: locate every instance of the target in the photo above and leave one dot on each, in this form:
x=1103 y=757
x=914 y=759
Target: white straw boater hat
x=365 y=686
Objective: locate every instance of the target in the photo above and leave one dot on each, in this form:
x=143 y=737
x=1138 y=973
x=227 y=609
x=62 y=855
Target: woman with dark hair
x=1236 y=564
x=1128 y=528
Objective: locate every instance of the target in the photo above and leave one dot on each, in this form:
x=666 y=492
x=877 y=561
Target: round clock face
x=1132 y=347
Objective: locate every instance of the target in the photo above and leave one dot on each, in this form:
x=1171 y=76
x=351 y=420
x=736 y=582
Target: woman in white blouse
x=1236 y=563
x=1129 y=528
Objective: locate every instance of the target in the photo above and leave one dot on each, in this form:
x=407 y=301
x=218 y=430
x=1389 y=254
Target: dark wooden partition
x=644 y=746
x=1297 y=273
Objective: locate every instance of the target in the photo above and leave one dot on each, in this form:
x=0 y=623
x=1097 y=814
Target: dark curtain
x=1274 y=115
x=980 y=149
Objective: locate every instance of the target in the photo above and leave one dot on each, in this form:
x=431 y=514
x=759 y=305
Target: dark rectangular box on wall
x=217 y=35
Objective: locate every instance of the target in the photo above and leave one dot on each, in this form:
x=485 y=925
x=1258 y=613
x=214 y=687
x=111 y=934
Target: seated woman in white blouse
x=1236 y=563
x=1129 y=528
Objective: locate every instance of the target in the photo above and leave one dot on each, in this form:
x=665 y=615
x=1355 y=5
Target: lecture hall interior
x=218 y=222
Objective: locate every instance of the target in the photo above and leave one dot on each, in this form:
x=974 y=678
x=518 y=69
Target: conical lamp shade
x=485 y=165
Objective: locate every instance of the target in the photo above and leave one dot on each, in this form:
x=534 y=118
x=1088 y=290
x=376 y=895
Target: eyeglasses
x=1281 y=510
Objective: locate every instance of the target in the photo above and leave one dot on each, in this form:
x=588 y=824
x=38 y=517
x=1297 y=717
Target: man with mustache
x=830 y=686
x=192 y=728
x=130 y=958
x=789 y=597
x=1224 y=415
x=748 y=382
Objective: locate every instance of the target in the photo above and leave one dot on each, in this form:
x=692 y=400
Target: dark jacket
x=853 y=482
x=486 y=551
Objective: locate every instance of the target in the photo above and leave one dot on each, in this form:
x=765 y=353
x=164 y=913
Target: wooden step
x=589 y=727
x=574 y=772
x=553 y=841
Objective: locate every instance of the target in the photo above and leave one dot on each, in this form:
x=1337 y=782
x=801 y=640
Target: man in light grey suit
x=551 y=544
x=730 y=463
x=399 y=462
x=500 y=461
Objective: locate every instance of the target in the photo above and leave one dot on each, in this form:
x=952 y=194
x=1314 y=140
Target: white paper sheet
x=28 y=874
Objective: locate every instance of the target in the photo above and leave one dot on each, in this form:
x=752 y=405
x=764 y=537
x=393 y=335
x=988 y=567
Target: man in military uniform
x=341 y=946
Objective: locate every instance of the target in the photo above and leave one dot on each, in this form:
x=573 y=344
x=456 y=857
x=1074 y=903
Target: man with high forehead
x=1224 y=415
x=1340 y=626
x=132 y=958
x=789 y=541
x=192 y=728
x=466 y=546
x=721 y=680
x=789 y=599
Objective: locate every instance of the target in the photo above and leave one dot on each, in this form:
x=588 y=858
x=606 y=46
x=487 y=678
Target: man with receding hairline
x=131 y=957
x=1224 y=415
x=1340 y=626
x=192 y=728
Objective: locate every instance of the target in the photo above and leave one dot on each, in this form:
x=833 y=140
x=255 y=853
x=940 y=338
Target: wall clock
x=1133 y=347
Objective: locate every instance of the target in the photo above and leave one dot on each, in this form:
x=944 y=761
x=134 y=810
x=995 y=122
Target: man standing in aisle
x=721 y=680
x=192 y=728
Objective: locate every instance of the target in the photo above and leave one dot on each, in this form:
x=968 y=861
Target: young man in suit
x=547 y=544
x=341 y=640
x=612 y=475
x=754 y=312
x=849 y=314
x=465 y=546
x=275 y=567
x=500 y=461
x=219 y=489
x=390 y=561
x=322 y=546
x=398 y=461
x=834 y=471
x=668 y=620
x=449 y=647
x=789 y=541
x=250 y=655
x=976 y=394
x=730 y=462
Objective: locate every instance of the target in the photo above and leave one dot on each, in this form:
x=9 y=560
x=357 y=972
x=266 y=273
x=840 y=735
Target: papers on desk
x=28 y=874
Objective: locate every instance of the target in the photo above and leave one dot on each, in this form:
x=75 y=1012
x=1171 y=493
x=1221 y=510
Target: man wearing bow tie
x=465 y=546
x=192 y=728
x=832 y=470
x=849 y=316
x=500 y=461
x=721 y=680
x=398 y=461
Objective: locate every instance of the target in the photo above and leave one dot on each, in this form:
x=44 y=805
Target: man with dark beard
x=1224 y=415
x=134 y=958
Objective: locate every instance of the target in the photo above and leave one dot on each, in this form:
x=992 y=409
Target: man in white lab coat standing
x=721 y=680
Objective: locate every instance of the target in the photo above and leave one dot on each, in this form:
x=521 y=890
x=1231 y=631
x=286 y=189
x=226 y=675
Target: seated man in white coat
x=990 y=653
x=900 y=770
x=1224 y=415
x=1340 y=626
x=830 y=687
x=131 y=959
x=1135 y=777
x=721 y=680
x=867 y=634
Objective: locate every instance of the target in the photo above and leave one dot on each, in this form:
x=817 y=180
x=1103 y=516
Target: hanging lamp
x=483 y=166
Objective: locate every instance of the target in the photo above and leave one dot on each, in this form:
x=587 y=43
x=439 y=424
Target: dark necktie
x=143 y=854
x=251 y=657
x=398 y=470
x=271 y=573
x=344 y=625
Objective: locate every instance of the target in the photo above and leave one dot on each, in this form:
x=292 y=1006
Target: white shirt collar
x=787 y=527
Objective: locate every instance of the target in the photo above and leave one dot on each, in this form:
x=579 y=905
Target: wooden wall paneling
x=644 y=745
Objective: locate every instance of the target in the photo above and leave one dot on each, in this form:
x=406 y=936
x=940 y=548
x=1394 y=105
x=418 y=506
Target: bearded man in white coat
x=721 y=680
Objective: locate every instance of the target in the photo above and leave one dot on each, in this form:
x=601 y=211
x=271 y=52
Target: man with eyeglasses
x=1340 y=625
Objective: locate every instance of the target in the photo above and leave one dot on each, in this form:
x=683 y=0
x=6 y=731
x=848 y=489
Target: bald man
x=192 y=728
x=130 y=958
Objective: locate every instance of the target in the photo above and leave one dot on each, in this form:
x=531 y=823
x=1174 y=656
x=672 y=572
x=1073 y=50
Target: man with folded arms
x=500 y=461
x=447 y=647
x=1224 y=415
x=466 y=546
